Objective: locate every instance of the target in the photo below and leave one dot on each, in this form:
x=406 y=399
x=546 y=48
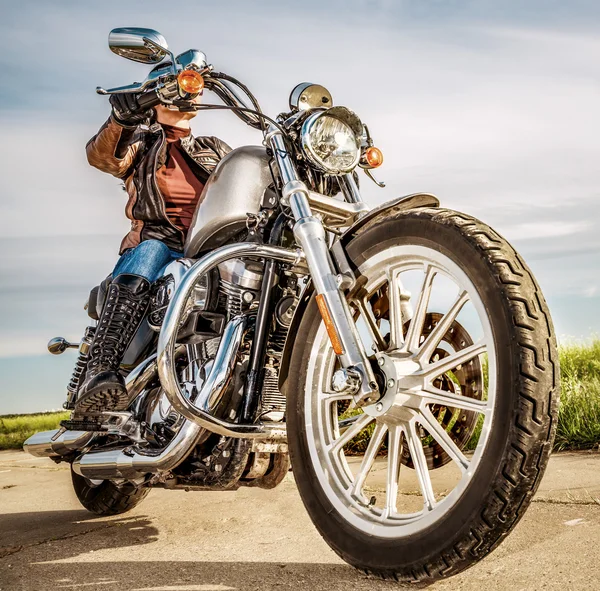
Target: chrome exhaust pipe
x=133 y=461
x=58 y=442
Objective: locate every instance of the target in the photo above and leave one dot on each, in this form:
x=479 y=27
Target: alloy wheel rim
x=405 y=409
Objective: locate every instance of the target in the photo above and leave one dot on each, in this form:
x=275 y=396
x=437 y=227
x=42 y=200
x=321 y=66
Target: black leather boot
x=124 y=309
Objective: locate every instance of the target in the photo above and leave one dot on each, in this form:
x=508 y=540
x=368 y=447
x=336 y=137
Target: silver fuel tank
x=236 y=188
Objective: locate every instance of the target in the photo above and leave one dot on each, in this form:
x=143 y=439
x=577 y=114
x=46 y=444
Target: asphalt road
x=262 y=540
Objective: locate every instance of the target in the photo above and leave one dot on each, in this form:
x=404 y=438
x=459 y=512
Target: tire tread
x=108 y=498
x=532 y=431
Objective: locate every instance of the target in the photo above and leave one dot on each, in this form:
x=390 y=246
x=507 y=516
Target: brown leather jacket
x=134 y=154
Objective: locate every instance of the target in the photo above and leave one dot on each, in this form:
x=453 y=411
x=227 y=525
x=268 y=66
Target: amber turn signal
x=190 y=81
x=373 y=157
x=331 y=332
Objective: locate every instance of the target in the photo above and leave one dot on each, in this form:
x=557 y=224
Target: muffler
x=134 y=461
x=48 y=444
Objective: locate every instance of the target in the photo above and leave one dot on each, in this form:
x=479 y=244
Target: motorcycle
x=402 y=358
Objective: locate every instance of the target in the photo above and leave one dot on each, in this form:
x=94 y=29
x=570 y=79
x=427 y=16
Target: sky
x=493 y=106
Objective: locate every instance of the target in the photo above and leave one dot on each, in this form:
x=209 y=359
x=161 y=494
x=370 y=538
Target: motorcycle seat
x=97 y=297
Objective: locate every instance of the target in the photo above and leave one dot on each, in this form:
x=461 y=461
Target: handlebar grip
x=148 y=100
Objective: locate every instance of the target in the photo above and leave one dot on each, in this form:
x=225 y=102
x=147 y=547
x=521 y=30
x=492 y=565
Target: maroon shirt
x=177 y=182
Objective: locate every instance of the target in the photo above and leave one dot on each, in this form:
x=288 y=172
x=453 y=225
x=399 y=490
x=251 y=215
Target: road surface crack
x=11 y=550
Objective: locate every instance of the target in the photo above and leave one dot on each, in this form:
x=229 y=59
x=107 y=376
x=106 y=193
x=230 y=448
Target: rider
x=164 y=169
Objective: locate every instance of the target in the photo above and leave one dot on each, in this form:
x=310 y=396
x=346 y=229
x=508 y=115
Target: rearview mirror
x=140 y=45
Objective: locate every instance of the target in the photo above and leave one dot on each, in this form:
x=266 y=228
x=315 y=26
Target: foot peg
x=83 y=425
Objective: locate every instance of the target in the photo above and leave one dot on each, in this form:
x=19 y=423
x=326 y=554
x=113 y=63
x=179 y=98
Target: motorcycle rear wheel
x=444 y=532
x=104 y=497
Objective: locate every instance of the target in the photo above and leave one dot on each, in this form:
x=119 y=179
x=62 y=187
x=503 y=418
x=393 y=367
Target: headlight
x=330 y=143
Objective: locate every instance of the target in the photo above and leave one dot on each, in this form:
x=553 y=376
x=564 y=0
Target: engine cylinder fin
x=273 y=401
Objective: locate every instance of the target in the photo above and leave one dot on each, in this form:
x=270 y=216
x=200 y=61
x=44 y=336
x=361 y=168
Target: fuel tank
x=238 y=186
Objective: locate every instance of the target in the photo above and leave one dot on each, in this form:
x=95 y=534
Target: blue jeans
x=148 y=259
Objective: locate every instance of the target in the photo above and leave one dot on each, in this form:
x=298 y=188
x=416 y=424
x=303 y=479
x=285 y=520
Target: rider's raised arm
x=113 y=148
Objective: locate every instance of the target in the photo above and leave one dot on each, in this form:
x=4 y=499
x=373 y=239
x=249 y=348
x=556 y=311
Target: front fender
x=389 y=208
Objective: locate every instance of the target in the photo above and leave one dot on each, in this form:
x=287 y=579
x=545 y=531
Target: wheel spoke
x=369 y=458
x=396 y=332
x=351 y=432
x=371 y=324
x=344 y=424
x=415 y=328
x=447 y=363
x=420 y=463
x=330 y=397
x=437 y=334
x=434 y=395
x=441 y=436
x=393 y=470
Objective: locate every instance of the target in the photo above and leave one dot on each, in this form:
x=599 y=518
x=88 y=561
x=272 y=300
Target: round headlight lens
x=330 y=143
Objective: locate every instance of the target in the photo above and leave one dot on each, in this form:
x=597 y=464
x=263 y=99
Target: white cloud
x=535 y=230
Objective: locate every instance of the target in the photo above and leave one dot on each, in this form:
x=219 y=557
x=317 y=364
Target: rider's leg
x=147 y=260
x=125 y=306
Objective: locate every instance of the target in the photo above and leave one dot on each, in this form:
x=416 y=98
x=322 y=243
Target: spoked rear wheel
x=428 y=480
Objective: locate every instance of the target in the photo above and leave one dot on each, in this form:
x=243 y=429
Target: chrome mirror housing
x=140 y=45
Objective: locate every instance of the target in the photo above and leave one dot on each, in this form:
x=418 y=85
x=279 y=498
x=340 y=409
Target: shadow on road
x=33 y=547
x=197 y=576
x=19 y=531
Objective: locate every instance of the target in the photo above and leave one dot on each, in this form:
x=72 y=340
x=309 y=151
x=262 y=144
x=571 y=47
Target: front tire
x=105 y=497
x=450 y=531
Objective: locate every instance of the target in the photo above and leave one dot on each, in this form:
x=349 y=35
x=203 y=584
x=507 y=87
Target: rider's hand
x=126 y=110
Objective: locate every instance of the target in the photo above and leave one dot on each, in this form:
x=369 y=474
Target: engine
x=239 y=291
x=239 y=286
x=234 y=288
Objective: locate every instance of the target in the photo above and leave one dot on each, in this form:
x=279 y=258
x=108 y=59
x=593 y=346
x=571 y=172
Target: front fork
x=310 y=234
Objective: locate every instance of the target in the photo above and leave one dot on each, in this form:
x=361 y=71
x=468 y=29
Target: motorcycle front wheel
x=428 y=480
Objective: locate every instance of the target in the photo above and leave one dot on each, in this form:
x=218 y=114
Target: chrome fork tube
x=310 y=234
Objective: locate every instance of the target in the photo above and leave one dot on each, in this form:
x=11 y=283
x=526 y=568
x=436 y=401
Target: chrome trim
x=58 y=442
x=336 y=213
x=345 y=381
x=139 y=377
x=222 y=368
x=370 y=174
x=192 y=57
x=310 y=235
x=238 y=273
x=137 y=44
x=307 y=95
x=168 y=336
x=132 y=462
x=59 y=345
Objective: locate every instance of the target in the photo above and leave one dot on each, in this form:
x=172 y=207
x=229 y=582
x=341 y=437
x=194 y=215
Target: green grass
x=579 y=419
x=15 y=429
